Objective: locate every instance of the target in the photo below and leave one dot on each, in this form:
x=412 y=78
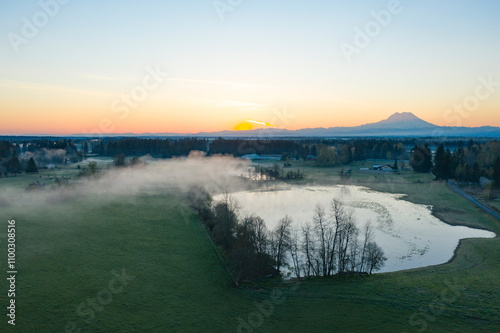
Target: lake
x=408 y=233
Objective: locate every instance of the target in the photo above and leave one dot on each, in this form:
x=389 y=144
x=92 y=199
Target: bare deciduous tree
x=323 y=232
x=348 y=233
x=281 y=240
x=226 y=219
x=261 y=235
x=295 y=252
x=308 y=248
x=367 y=238
x=375 y=257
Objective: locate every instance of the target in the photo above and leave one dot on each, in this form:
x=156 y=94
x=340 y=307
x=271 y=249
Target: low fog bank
x=45 y=157
x=216 y=173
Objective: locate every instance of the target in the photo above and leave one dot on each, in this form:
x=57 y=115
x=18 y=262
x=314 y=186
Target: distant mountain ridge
x=398 y=124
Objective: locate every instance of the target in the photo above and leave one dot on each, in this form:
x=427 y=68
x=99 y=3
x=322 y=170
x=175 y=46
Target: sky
x=80 y=67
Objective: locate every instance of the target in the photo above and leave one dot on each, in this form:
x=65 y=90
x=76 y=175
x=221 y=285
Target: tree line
x=329 y=244
x=28 y=155
x=161 y=148
x=261 y=172
x=326 y=152
x=466 y=163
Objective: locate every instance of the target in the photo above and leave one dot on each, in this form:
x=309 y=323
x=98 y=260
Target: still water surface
x=408 y=233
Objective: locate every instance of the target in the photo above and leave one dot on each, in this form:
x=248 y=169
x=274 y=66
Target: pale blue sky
x=427 y=58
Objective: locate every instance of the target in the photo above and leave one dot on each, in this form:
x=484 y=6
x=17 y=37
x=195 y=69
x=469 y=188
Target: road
x=476 y=202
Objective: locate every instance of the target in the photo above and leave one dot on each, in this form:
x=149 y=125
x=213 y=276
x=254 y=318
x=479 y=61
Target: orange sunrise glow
x=243 y=77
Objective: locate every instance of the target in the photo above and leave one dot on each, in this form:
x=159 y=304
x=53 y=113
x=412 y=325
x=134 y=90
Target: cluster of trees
x=28 y=155
x=9 y=158
x=90 y=171
x=15 y=165
x=260 y=172
x=244 y=241
x=331 y=244
x=38 y=144
x=166 y=148
x=240 y=147
x=121 y=160
x=388 y=149
x=328 y=152
x=46 y=151
x=421 y=159
x=161 y=148
x=345 y=152
x=466 y=163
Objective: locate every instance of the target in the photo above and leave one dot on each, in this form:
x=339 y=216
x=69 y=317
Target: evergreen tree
x=14 y=164
x=459 y=172
x=119 y=160
x=476 y=173
x=496 y=173
x=438 y=169
x=314 y=150
x=443 y=165
x=346 y=154
x=395 y=165
x=449 y=166
x=85 y=149
x=31 y=168
x=102 y=149
x=421 y=159
x=93 y=168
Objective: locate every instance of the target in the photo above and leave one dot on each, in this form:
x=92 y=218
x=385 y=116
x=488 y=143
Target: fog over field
x=216 y=173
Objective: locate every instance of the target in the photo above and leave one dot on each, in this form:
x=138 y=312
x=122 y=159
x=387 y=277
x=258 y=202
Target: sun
x=243 y=127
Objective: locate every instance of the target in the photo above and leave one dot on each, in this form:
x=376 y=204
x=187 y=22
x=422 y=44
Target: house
x=255 y=157
x=380 y=167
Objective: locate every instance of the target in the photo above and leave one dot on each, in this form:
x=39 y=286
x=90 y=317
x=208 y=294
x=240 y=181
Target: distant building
x=270 y=157
x=251 y=157
x=256 y=157
x=379 y=167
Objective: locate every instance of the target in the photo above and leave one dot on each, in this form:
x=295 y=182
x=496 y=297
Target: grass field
x=67 y=251
x=495 y=205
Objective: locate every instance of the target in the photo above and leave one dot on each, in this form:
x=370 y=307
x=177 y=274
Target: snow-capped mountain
x=401 y=120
